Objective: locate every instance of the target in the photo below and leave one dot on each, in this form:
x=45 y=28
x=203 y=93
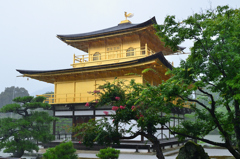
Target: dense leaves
x=212 y=68
x=64 y=150
x=28 y=127
x=136 y=110
x=108 y=153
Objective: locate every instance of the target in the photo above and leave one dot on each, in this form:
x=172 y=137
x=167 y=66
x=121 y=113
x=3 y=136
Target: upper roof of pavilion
x=80 y=41
x=120 y=28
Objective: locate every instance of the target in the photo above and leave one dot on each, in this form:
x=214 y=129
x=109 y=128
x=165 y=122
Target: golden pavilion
x=112 y=52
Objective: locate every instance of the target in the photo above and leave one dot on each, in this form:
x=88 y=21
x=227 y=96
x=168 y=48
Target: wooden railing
x=81 y=98
x=186 y=104
x=141 y=51
x=68 y=98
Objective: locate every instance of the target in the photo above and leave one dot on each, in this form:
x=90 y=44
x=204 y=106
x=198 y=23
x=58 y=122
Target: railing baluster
x=146 y=51
x=74 y=58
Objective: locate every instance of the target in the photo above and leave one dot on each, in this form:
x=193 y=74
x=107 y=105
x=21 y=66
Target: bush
x=108 y=153
x=65 y=150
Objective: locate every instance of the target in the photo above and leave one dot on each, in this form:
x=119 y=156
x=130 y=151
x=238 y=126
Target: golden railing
x=68 y=98
x=81 y=98
x=116 y=54
x=186 y=104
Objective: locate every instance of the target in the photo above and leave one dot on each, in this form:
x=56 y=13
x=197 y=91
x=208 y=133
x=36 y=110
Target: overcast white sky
x=28 y=30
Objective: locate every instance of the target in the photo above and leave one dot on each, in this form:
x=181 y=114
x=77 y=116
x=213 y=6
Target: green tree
x=49 y=92
x=10 y=93
x=108 y=153
x=135 y=105
x=213 y=65
x=22 y=133
x=64 y=150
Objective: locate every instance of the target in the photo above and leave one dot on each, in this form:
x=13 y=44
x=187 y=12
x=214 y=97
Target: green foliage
x=21 y=133
x=192 y=150
x=63 y=125
x=49 y=92
x=212 y=68
x=108 y=153
x=135 y=105
x=65 y=150
x=213 y=65
x=111 y=90
x=100 y=131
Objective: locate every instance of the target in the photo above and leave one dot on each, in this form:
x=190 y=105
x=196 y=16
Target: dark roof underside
x=116 y=29
x=158 y=55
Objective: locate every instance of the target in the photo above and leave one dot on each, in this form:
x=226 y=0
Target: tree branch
x=213 y=116
x=204 y=140
x=194 y=100
x=212 y=99
x=133 y=136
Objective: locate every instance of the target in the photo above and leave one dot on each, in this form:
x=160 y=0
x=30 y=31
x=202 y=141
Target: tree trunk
x=237 y=133
x=237 y=129
x=153 y=139
x=157 y=146
x=235 y=153
x=18 y=153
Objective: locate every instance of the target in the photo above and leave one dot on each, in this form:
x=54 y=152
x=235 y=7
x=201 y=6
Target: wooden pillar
x=54 y=122
x=105 y=45
x=73 y=119
x=178 y=117
x=174 y=122
x=73 y=58
x=161 y=128
x=122 y=47
x=146 y=50
x=169 y=124
x=89 y=55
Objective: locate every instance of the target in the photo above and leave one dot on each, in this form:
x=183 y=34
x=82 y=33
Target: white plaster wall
x=88 y=112
x=100 y=112
x=63 y=113
x=134 y=129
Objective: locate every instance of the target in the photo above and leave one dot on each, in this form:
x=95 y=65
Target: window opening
x=96 y=56
x=130 y=52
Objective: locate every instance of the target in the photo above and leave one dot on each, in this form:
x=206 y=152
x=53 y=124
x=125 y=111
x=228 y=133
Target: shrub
x=108 y=153
x=65 y=150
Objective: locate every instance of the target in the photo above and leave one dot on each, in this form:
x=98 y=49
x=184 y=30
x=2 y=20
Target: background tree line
x=10 y=93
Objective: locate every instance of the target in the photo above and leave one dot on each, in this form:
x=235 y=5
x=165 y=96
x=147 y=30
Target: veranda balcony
x=68 y=98
x=111 y=56
x=80 y=98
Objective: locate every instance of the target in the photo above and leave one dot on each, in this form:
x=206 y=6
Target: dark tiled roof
x=158 y=55
x=116 y=29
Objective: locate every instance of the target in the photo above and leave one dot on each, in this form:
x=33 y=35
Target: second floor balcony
x=82 y=98
x=114 y=55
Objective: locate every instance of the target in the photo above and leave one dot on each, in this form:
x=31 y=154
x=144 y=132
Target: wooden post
x=161 y=127
x=169 y=124
x=80 y=97
x=54 y=123
x=146 y=50
x=174 y=122
x=74 y=58
x=137 y=148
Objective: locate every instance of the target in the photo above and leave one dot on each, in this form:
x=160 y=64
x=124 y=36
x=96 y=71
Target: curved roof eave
x=158 y=55
x=116 y=29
